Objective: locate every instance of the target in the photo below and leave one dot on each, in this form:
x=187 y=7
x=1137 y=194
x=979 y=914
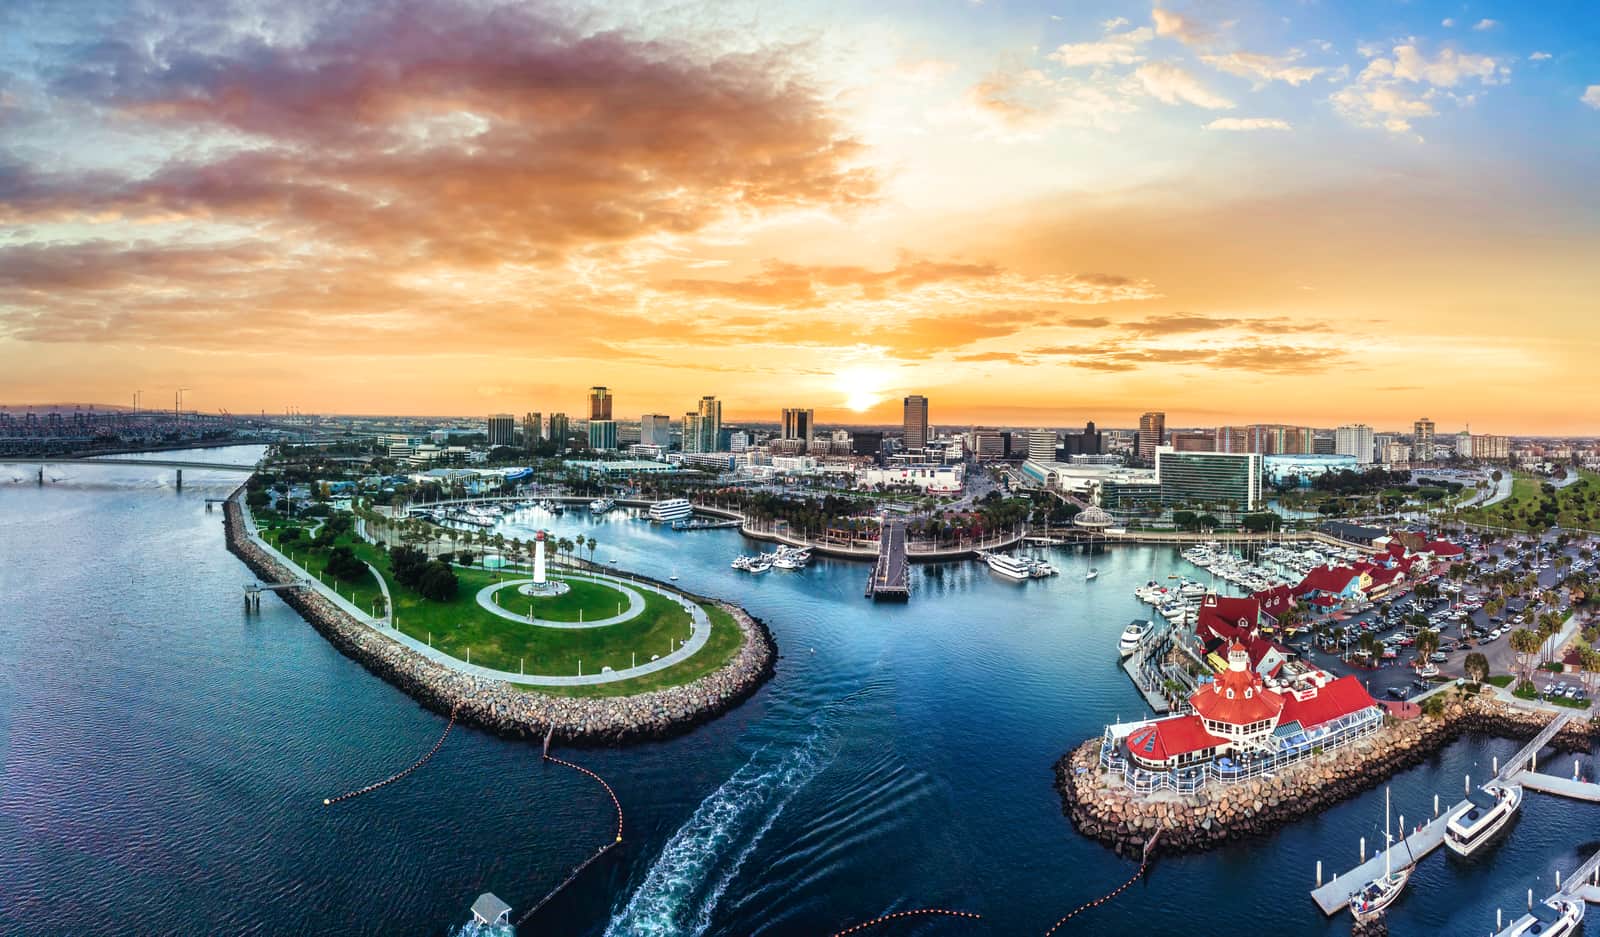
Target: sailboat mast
x=1387 y=861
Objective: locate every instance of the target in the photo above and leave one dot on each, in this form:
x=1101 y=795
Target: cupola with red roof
x=1237 y=703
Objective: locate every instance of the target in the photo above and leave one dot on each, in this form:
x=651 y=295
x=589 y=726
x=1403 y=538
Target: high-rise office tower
x=797 y=423
x=502 y=429
x=603 y=435
x=559 y=430
x=1042 y=445
x=1152 y=430
x=1422 y=440
x=532 y=428
x=655 y=429
x=1354 y=439
x=916 y=422
x=599 y=404
x=702 y=430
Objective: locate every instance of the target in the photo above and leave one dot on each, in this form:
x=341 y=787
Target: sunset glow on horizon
x=1032 y=213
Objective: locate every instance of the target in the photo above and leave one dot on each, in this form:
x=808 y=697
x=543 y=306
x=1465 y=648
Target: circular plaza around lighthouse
x=570 y=600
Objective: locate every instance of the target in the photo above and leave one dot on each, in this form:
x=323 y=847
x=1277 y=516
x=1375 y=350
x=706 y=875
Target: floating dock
x=1581 y=885
x=1335 y=895
x=891 y=574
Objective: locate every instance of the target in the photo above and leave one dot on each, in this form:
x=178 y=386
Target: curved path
x=634 y=610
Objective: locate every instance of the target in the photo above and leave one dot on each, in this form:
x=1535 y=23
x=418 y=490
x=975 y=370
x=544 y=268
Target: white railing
x=1192 y=778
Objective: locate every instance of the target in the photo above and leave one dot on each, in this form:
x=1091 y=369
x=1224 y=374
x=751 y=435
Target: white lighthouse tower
x=541 y=586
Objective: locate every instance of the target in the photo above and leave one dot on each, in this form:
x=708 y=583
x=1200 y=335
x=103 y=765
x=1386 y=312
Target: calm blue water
x=165 y=759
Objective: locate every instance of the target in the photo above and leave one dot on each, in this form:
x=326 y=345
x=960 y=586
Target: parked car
x=1396 y=692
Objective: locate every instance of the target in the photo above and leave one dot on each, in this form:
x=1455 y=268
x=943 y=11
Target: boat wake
x=682 y=889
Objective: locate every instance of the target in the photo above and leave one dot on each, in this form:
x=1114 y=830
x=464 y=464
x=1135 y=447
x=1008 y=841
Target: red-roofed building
x=1226 y=620
x=1275 y=601
x=1238 y=713
x=1341 y=583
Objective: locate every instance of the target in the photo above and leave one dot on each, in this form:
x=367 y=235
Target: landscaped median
x=736 y=654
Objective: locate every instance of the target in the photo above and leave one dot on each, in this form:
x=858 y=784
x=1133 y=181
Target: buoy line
x=577 y=870
x=942 y=912
x=1144 y=863
x=327 y=802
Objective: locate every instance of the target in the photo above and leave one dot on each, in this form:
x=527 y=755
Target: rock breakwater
x=1102 y=807
x=499 y=707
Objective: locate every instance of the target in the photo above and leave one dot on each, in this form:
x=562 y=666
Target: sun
x=863 y=387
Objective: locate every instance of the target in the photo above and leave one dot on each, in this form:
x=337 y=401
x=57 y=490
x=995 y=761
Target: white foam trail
x=673 y=900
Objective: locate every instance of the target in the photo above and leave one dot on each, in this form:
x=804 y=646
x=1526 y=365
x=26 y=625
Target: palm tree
x=563 y=545
x=1526 y=644
x=592 y=544
x=1427 y=643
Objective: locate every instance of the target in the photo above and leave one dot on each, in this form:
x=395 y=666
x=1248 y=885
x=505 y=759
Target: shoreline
x=502 y=709
x=1217 y=815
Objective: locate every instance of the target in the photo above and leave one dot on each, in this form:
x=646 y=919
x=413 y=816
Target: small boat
x=1009 y=566
x=1091 y=574
x=601 y=505
x=1381 y=892
x=1487 y=811
x=1554 y=917
x=674 y=576
x=1133 y=636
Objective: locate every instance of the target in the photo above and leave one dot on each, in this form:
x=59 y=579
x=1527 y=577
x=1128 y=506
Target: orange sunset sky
x=1033 y=213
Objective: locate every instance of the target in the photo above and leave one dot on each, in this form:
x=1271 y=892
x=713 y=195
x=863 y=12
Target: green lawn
x=466 y=631
x=1576 y=505
x=362 y=591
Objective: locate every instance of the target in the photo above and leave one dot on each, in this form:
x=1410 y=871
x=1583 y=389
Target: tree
x=592 y=544
x=1476 y=667
x=1427 y=643
x=344 y=564
x=1526 y=645
x=437 y=582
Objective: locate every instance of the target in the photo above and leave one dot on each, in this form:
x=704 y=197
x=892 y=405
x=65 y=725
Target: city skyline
x=1032 y=215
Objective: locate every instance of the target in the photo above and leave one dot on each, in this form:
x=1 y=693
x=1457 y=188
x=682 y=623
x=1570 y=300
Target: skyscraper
x=603 y=435
x=1152 y=430
x=599 y=404
x=797 y=423
x=559 y=430
x=1042 y=445
x=1422 y=440
x=1354 y=439
x=532 y=428
x=916 y=422
x=702 y=429
x=655 y=429
x=502 y=429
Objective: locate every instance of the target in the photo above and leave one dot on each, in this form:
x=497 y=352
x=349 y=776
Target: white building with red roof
x=1239 y=715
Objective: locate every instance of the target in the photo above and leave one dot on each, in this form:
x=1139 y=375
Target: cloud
x=1028 y=102
x=1254 y=358
x=1447 y=23
x=1171 y=84
x=1395 y=89
x=1591 y=96
x=1182 y=28
x=1115 y=48
x=1248 y=123
x=1540 y=57
x=1485 y=24
x=1264 y=69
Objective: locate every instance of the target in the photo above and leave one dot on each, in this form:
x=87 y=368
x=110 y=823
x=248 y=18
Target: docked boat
x=1487 y=811
x=1555 y=917
x=791 y=558
x=1011 y=567
x=1091 y=574
x=671 y=509
x=1039 y=569
x=1381 y=892
x=1133 y=636
x=601 y=505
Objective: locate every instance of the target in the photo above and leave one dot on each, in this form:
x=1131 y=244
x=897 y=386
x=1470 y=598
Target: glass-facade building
x=1209 y=478
x=1305 y=467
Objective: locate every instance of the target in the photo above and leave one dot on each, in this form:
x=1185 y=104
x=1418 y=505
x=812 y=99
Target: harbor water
x=166 y=757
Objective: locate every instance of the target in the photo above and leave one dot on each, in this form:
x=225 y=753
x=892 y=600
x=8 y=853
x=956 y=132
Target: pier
x=1583 y=884
x=1144 y=668
x=1560 y=787
x=891 y=574
x=1334 y=896
x=252 y=591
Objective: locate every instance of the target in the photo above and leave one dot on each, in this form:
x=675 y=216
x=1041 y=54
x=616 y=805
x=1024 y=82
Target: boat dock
x=1560 y=787
x=1334 y=896
x=1137 y=666
x=891 y=574
x=1584 y=883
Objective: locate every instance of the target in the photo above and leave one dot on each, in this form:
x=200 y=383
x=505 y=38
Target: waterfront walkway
x=634 y=610
x=1560 y=787
x=700 y=630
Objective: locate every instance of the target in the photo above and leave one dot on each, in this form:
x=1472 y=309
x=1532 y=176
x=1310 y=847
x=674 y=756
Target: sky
x=1300 y=211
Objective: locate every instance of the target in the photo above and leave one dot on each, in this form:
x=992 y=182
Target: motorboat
x=1559 y=916
x=1381 y=892
x=601 y=505
x=1091 y=574
x=1011 y=567
x=1133 y=636
x=791 y=558
x=1039 y=569
x=1487 y=811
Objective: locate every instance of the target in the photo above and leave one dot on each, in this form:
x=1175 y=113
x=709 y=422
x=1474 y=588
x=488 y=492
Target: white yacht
x=601 y=505
x=671 y=509
x=1091 y=574
x=1133 y=636
x=1560 y=916
x=1011 y=567
x=1487 y=811
x=791 y=558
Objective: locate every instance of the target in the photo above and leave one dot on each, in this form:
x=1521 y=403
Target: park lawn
x=724 y=643
x=585 y=601
x=363 y=591
x=467 y=632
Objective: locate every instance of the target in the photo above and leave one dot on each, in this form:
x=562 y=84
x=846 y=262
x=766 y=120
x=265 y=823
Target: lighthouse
x=538 y=559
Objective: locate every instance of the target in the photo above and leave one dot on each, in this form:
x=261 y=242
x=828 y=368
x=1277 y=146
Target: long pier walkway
x=891 y=574
x=1529 y=753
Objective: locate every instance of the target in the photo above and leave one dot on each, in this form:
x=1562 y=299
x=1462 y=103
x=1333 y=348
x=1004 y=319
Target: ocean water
x=164 y=757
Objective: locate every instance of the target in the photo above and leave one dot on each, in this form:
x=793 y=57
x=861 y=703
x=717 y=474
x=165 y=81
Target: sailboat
x=1381 y=892
x=674 y=576
x=1092 y=573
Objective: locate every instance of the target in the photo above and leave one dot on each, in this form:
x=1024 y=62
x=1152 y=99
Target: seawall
x=498 y=707
x=1101 y=807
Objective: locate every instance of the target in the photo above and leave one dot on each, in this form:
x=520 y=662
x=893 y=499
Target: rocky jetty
x=1102 y=807
x=497 y=706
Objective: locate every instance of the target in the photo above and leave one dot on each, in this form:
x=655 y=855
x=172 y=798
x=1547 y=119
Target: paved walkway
x=699 y=624
x=634 y=610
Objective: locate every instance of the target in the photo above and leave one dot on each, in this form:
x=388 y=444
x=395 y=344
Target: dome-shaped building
x=1093 y=518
